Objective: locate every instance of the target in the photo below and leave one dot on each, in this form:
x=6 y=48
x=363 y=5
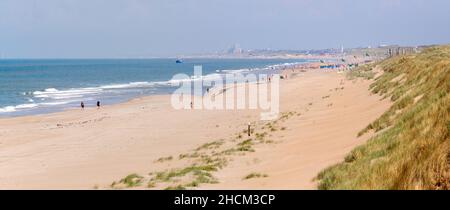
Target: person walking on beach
x=82 y=105
x=98 y=104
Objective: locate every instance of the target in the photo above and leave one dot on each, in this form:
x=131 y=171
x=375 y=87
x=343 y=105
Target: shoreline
x=58 y=150
x=97 y=92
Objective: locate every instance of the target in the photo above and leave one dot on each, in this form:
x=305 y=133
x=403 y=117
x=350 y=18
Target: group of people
x=98 y=105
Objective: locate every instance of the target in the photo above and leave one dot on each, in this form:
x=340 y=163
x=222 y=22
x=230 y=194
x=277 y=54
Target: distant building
x=236 y=49
x=397 y=50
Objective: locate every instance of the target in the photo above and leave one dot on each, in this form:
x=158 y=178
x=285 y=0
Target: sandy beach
x=92 y=148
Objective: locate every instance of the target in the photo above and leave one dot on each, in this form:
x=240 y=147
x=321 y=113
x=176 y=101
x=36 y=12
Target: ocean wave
x=236 y=70
x=26 y=106
x=268 y=67
x=54 y=97
x=281 y=65
x=213 y=76
x=55 y=103
x=52 y=93
x=7 y=109
x=128 y=85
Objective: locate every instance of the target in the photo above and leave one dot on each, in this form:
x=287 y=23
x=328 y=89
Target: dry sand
x=80 y=149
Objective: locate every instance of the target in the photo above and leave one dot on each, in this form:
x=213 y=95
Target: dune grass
x=413 y=151
x=211 y=145
x=255 y=175
x=132 y=180
x=205 y=160
x=194 y=169
x=178 y=187
x=245 y=146
x=361 y=72
x=164 y=159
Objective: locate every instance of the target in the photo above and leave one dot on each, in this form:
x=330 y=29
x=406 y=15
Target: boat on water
x=179 y=61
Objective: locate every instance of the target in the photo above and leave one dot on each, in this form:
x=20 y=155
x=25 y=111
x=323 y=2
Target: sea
x=37 y=86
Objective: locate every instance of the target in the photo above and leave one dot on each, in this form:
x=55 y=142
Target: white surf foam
x=55 y=103
x=65 y=94
x=8 y=109
x=128 y=85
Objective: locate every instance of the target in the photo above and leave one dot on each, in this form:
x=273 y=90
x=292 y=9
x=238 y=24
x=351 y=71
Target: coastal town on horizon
x=236 y=51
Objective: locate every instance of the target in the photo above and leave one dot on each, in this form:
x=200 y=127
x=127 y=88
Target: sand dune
x=80 y=149
x=323 y=133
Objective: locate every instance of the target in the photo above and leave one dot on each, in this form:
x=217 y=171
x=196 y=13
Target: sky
x=148 y=28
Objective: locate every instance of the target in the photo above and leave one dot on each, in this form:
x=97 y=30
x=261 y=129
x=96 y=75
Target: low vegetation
x=210 y=145
x=206 y=159
x=255 y=175
x=365 y=72
x=164 y=159
x=412 y=148
x=132 y=180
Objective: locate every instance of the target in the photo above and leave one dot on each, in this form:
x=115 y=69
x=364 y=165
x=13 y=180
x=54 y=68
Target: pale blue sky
x=140 y=28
